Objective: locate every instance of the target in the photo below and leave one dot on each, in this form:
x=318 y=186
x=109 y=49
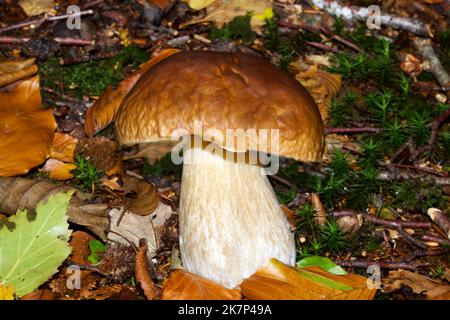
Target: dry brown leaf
x=102 y=113
x=185 y=285
x=141 y=197
x=80 y=247
x=433 y=289
x=58 y=170
x=36 y=7
x=412 y=65
x=112 y=183
x=12 y=71
x=277 y=281
x=320 y=84
x=20 y=193
x=26 y=128
x=292 y=218
x=321 y=215
x=223 y=11
x=63 y=147
x=142 y=272
x=39 y=294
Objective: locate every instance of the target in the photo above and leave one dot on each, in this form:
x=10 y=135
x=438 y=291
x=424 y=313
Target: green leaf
x=322 y=262
x=96 y=247
x=32 y=250
x=324 y=281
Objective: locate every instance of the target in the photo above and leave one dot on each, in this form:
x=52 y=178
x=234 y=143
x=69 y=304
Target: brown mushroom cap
x=223 y=91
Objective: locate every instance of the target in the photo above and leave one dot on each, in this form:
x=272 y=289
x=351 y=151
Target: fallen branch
x=382 y=264
x=38 y=22
x=352 y=130
x=427 y=237
x=385 y=222
x=426 y=253
x=411 y=239
x=356 y=13
x=402 y=175
x=427 y=170
x=425 y=48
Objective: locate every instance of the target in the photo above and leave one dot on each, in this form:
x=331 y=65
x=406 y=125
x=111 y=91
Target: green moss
x=92 y=77
x=86 y=174
x=414 y=195
x=237 y=29
x=162 y=168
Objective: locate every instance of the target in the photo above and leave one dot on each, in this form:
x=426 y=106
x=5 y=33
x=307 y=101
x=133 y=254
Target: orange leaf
x=26 y=129
x=63 y=147
x=102 y=113
x=277 y=281
x=184 y=285
x=58 y=170
x=80 y=247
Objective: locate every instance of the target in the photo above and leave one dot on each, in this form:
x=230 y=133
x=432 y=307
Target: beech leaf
x=36 y=246
x=322 y=262
x=185 y=285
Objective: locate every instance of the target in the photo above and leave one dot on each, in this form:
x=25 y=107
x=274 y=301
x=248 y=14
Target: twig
x=282 y=180
x=385 y=222
x=382 y=264
x=398 y=175
x=411 y=239
x=425 y=48
x=63 y=41
x=426 y=253
x=352 y=130
x=356 y=13
x=40 y=21
x=427 y=170
x=322 y=46
x=427 y=237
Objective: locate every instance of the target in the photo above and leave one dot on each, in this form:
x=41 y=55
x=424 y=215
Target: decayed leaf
x=63 y=147
x=80 y=247
x=223 y=11
x=39 y=294
x=321 y=215
x=185 y=285
x=441 y=219
x=141 y=197
x=199 y=4
x=12 y=71
x=322 y=262
x=102 y=113
x=277 y=281
x=20 y=193
x=133 y=227
x=58 y=170
x=142 y=272
x=26 y=129
x=36 y=7
x=321 y=85
x=37 y=245
x=433 y=289
x=6 y=292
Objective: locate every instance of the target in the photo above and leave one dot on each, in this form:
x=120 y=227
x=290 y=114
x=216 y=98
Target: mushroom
x=230 y=220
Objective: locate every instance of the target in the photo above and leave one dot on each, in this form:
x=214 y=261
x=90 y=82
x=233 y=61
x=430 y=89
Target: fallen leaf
x=322 y=262
x=6 y=292
x=142 y=272
x=39 y=294
x=12 y=71
x=63 y=147
x=102 y=113
x=58 y=170
x=223 y=11
x=441 y=219
x=133 y=227
x=350 y=224
x=25 y=127
x=36 y=7
x=277 y=281
x=141 y=197
x=185 y=285
x=80 y=247
x=28 y=265
x=411 y=65
x=320 y=84
x=199 y=4
x=111 y=183
x=321 y=215
x=292 y=218
x=432 y=289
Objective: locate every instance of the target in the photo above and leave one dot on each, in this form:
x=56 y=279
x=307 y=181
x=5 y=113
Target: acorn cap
x=223 y=91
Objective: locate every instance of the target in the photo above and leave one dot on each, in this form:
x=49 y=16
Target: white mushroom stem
x=230 y=220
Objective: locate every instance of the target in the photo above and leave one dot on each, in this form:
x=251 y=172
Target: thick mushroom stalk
x=230 y=220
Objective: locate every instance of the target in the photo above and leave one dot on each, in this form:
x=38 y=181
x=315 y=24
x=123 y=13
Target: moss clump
x=92 y=77
x=162 y=168
x=237 y=29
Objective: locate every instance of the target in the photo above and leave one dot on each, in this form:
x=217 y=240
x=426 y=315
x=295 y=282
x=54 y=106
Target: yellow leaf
x=36 y=7
x=199 y=4
x=223 y=11
x=6 y=292
x=184 y=285
x=58 y=170
x=11 y=71
x=26 y=129
x=277 y=281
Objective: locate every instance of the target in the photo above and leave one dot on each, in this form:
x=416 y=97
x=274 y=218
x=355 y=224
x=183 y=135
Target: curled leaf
x=12 y=71
x=63 y=147
x=26 y=129
x=185 y=285
x=141 y=197
x=58 y=170
x=322 y=262
x=142 y=272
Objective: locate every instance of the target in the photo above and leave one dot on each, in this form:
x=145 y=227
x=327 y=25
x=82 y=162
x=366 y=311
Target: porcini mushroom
x=230 y=220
